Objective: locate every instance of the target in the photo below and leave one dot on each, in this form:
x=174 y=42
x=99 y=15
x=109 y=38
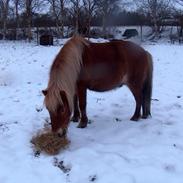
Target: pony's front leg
x=82 y=94
x=76 y=115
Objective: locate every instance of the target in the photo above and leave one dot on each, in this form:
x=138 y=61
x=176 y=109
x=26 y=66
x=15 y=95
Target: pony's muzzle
x=62 y=132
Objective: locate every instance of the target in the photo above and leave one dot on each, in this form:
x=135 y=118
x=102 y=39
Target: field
x=112 y=149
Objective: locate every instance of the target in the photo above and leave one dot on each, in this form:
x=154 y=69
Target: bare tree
x=17 y=5
x=75 y=12
x=179 y=2
x=106 y=7
x=62 y=15
x=179 y=15
x=90 y=7
x=29 y=18
x=4 y=6
x=157 y=10
x=31 y=6
x=55 y=13
x=58 y=11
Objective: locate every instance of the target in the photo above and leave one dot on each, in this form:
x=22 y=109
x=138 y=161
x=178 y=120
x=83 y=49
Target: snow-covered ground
x=112 y=149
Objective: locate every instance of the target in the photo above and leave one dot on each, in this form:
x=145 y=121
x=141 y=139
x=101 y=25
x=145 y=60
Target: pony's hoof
x=134 y=118
x=75 y=119
x=82 y=125
x=144 y=116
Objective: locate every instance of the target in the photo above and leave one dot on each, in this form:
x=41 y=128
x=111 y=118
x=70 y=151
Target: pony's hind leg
x=145 y=110
x=82 y=93
x=76 y=115
x=146 y=101
x=137 y=93
x=147 y=90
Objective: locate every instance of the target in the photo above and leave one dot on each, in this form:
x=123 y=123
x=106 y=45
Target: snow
x=112 y=149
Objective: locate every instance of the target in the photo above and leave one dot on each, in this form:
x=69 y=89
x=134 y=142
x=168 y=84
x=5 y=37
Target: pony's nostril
x=62 y=132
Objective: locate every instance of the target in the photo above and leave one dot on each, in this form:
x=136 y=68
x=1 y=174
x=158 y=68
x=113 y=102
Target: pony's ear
x=44 y=92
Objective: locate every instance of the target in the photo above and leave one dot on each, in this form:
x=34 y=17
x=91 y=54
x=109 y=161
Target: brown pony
x=82 y=65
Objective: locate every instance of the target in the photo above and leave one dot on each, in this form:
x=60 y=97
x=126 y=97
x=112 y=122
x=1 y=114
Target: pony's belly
x=103 y=76
x=103 y=85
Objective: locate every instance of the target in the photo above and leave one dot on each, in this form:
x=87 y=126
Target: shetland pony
x=82 y=65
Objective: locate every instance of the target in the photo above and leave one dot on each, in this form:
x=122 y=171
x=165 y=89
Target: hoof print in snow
x=47 y=122
x=28 y=82
x=39 y=109
x=90 y=121
x=37 y=154
x=159 y=133
x=99 y=100
x=178 y=96
x=169 y=168
x=3 y=127
x=118 y=120
x=92 y=178
x=178 y=106
x=61 y=166
x=168 y=123
x=47 y=125
x=3 y=84
x=155 y=99
x=116 y=105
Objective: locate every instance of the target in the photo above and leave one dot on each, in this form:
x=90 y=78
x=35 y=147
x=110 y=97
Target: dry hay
x=48 y=142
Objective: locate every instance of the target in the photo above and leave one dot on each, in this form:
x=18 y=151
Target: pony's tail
x=147 y=89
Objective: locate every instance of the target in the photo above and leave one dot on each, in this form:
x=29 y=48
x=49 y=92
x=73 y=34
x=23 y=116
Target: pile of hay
x=50 y=143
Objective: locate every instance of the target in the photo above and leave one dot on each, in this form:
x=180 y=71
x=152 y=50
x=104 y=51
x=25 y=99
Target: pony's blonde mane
x=64 y=73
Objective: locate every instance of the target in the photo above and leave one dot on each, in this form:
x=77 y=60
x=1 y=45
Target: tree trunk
x=4 y=18
x=154 y=18
x=29 y=28
x=89 y=18
x=29 y=19
x=55 y=15
x=89 y=25
x=156 y=29
x=17 y=19
x=141 y=32
x=62 y=18
x=104 y=24
x=77 y=17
